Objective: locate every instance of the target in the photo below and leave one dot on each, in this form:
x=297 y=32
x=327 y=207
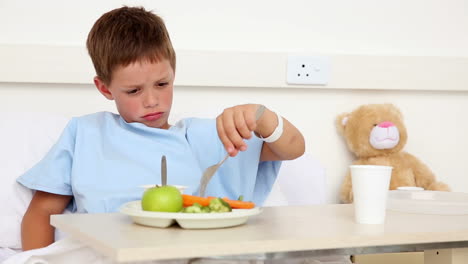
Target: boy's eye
x=162 y=84
x=132 y=91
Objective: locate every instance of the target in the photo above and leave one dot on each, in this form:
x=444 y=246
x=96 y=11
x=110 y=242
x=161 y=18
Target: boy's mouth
x=153 y=116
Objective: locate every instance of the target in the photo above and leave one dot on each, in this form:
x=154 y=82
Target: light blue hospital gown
x=102 y=161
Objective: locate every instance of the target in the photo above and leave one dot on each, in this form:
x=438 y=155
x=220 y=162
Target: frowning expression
x=142 y=92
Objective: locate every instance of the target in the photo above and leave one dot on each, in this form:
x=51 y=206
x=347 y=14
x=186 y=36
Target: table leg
x=446 y=256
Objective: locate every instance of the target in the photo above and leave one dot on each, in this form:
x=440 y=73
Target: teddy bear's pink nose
x=386 y=124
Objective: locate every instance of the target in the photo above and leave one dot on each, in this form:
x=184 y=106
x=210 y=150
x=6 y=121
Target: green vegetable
x=196 y=208
x=206 y=209
x=218 y=205
x=192 y=209
x=241 y=198
x=197 y=205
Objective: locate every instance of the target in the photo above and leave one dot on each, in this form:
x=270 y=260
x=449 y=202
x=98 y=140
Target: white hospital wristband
x=277 y=133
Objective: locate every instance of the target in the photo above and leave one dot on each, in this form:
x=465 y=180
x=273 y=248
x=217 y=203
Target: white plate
x=187 y=220
x=428 y=202
x=410 y=188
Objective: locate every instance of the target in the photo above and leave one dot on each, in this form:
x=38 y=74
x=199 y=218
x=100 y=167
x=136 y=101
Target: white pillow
x=25 y=138
x=300 y=182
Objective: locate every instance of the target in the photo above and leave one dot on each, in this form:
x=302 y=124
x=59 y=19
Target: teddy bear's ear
x=341 y=121
x=395 y=109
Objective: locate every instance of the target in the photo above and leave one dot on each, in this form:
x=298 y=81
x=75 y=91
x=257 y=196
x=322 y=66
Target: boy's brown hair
x=127 y=35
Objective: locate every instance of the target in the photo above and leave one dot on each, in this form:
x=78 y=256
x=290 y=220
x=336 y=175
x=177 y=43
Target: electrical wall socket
x=308 y=70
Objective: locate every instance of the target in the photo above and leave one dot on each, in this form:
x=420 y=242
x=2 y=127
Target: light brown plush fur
x=407 y=169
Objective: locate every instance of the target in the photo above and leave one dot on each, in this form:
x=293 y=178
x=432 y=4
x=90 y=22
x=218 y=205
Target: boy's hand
x=236 y=124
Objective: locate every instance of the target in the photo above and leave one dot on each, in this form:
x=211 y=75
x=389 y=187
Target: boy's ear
x=103 y=89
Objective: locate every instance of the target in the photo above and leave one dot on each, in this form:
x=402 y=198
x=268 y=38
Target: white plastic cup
x=370 y=189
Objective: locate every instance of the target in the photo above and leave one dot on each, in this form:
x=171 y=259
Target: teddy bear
x=376 y=134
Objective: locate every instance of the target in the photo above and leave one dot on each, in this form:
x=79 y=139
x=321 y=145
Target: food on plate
x=189 y=200
x=196 y=208
x=162 y=199
x=216 y=205
x=237 y=204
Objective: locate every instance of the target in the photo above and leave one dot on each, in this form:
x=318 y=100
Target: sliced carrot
x=189 y=200
x=236 y=204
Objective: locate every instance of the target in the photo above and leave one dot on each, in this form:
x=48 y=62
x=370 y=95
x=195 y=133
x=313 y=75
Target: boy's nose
x=150 y=100
x=386 y=124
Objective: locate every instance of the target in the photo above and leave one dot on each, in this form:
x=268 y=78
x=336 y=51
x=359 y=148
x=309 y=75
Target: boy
x=101 y=159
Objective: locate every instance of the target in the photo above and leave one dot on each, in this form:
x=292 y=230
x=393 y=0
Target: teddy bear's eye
x=375 y=124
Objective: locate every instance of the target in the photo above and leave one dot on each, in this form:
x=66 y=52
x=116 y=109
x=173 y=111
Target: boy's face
x=142 y=92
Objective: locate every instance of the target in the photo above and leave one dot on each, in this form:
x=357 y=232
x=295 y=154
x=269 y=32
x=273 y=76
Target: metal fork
x=211 y=170
x=208 y=174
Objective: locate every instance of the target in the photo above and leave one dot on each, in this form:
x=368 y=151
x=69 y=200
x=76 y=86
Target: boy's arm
x=36 y=231
x=237 y=123
x=290 y=144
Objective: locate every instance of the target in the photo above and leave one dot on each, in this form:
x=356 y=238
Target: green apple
x=162 y=199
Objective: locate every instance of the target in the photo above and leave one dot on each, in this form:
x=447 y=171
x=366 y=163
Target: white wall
x=401 y=27
x=435 y=119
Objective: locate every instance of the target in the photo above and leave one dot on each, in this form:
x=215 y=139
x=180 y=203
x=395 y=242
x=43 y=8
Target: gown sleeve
x=52 y=173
